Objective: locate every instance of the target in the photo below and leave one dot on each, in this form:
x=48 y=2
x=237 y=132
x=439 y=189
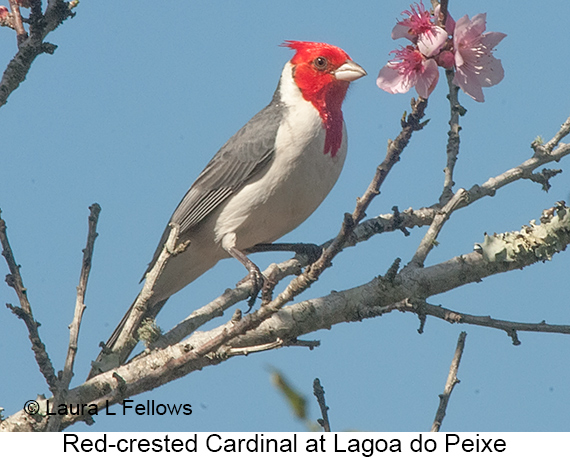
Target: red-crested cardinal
x=268 y=178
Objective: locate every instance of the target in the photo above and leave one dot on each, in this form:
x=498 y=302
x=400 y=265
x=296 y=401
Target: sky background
x=136 y=100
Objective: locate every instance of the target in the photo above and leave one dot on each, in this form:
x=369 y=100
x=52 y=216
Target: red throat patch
x=314 y=66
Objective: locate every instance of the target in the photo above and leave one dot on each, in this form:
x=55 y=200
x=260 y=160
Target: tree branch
x=319 y=393
x=29 y=47
x=24 y=311
x=453 y=139
x=67 y=374
x=455 y=317
x=552 y=151
x=429 y=240
x=450 y=384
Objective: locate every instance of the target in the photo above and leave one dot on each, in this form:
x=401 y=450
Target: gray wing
x=244 y=155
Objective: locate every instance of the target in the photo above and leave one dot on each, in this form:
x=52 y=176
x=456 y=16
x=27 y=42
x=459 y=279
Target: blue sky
x=136 y=100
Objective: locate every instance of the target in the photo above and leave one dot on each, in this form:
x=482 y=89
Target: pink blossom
x=419 y=28
x=4 y=13
x=475 y=65
x=408 y=69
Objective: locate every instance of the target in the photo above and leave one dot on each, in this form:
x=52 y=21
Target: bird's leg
x=255 y=275
x=312 y=251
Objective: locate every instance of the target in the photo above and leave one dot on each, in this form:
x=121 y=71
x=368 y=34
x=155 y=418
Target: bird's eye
x=320 y=63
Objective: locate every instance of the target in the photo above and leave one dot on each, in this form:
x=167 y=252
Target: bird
x=266 y=179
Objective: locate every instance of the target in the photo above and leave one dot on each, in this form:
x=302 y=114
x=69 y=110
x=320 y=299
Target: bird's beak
x=349 y=71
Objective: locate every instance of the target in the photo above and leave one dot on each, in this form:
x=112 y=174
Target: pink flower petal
x=410 y=68
x=476 y=67
x=402 y=31
x=492 y=72
x=469 y=84
x=492 y=39
x=478 y=24
x=431 y=42
x=392 y=81
x=428 y=79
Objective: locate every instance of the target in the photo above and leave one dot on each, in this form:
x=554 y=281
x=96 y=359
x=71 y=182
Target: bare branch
x=450 y=384
x=452 y=149
x=524 y=170
x=229 y=298
x=311 y=344
x=24 y=311
x=428 y=241
x=543 y=177
x=231 y=352
x=555 y=141
x=319 y=393
x=456 y=317
x=33 y=45
x=67 y=374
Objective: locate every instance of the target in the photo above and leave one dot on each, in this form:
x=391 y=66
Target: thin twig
x=429 y=239
x=231 y=352
x=564 y=130
x=552 y=151
x=453 y=138
x=450 y=384
x=67 y=374
x=24 y=311
x=319 y=393
x=456 y=317
x=81 y=290
x=311 y=344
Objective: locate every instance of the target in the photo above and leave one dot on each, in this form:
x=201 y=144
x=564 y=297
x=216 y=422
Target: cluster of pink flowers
x=462 y=45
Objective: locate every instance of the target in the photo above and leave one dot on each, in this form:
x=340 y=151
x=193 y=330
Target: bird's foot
x=257 y=280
